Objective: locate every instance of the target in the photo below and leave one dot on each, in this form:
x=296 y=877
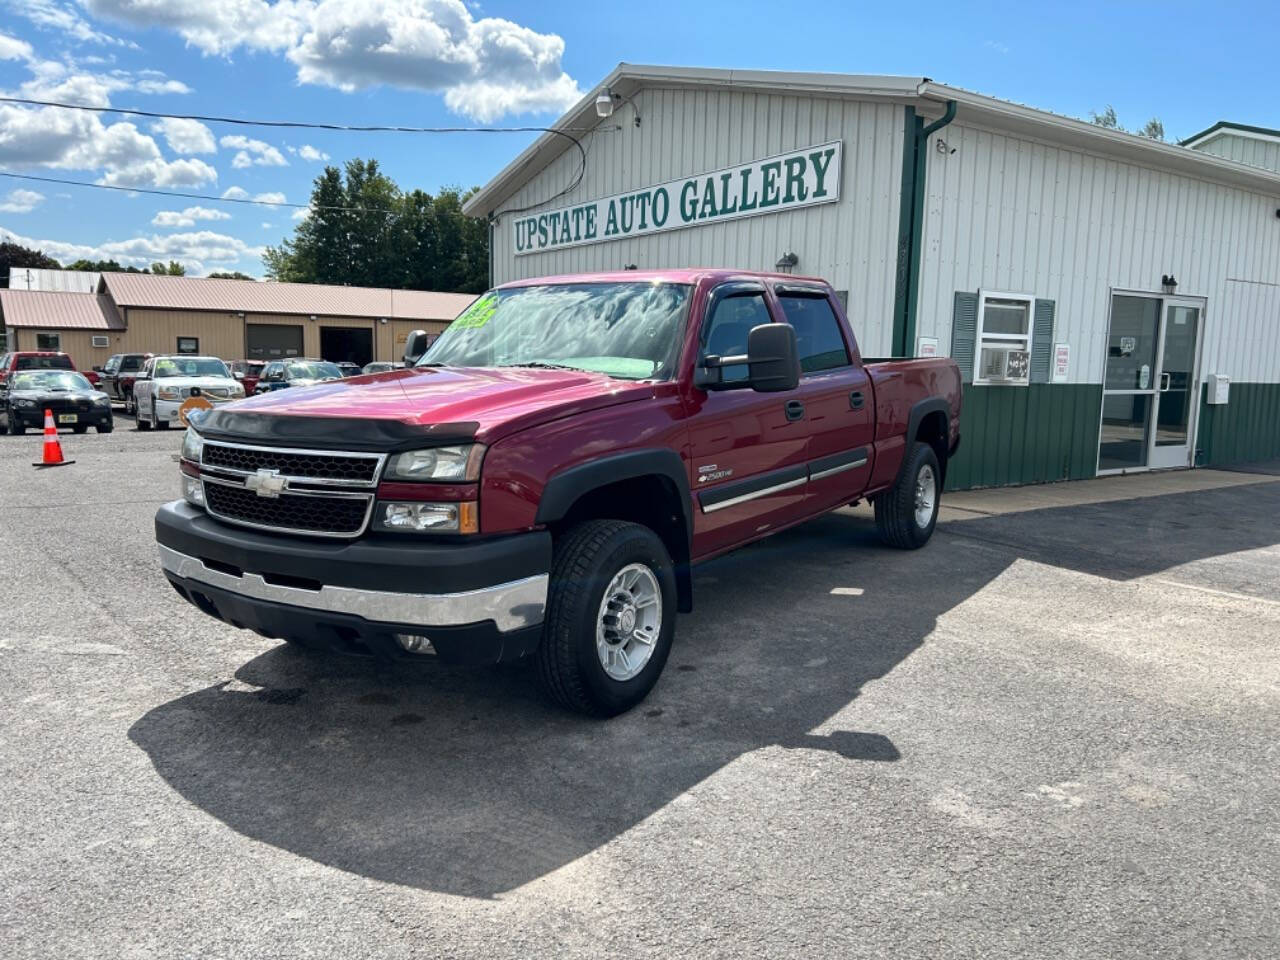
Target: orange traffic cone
x=52 y=448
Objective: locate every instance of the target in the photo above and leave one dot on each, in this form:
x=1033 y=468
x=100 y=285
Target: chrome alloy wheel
x=926 y=496
x=629 y=621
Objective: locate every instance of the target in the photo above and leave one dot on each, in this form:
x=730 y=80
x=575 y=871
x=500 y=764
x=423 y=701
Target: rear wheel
x=610 y=619
x=15 y=427
x=107 y=426
x=907 y=512
x=80 y=428
x=130 y=405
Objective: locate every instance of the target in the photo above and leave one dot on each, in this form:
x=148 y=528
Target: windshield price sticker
x=801 y=178
x=478 y=314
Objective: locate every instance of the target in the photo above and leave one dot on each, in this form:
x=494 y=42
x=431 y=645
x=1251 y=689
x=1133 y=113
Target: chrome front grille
x=313 y=492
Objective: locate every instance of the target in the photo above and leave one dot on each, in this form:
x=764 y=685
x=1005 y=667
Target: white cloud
x=311 y=154
x=187 y=172
x=186 y=136
x=193 y=250
x=11 y=48
x=161 y=86
x=21 y=201
x=257 y=153
x=270 y=197
x=301 y=213
x=235 y=193
x=65 y=20
x=486 y=68
x=187 y=217
x=266 y=225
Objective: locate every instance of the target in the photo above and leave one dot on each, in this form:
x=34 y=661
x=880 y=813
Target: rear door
x=748 y=449
x=836 y=393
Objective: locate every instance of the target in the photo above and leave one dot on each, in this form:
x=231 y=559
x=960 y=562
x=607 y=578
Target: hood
x=484 y=402
x=56 y=394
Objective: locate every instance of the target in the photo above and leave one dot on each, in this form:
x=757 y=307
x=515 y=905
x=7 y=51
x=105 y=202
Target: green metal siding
x=1245 y=428
x=1034 y=434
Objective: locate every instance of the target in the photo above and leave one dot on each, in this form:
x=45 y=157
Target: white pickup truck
x=166 y=383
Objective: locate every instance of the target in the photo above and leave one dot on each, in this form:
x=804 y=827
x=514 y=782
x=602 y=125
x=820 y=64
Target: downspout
x=911 y=225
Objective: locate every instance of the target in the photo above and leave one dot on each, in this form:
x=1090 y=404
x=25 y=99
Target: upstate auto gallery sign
x=800 y=178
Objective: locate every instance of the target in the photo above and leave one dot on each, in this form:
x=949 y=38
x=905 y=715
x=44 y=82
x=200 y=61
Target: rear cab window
x=60 y=362
x=819 y=340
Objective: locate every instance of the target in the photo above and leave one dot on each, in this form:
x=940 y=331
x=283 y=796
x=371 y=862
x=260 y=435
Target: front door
x=1149 y=395
x=1177 y=399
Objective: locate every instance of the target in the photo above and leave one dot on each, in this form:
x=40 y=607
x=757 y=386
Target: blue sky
x=435 y=62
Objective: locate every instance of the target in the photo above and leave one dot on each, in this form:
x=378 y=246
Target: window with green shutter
x=964 y=332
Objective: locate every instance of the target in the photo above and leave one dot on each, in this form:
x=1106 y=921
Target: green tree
x=172 y=269
x=1153 y=130
x=13 y=255
x=361 y=229
x=230 y=275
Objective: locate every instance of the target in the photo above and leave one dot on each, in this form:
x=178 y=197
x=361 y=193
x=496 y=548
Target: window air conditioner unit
x=1005 y=365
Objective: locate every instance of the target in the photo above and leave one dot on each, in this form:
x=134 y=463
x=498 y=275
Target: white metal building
x=1092 y=284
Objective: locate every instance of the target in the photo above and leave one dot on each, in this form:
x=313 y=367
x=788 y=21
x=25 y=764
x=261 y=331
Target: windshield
x=190 y=367
x=50 y=380
x=56 y=362
x=313 y=371
x=631 y=330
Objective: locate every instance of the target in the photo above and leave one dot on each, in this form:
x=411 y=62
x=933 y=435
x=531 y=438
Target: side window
x=48 y=341
x=725 y=332
x=272 y=372
x=818 y=338
x=113 y=361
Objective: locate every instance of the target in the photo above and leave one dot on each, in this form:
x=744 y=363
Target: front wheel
x=907 y=512
x=611 y=614
x=15 y=427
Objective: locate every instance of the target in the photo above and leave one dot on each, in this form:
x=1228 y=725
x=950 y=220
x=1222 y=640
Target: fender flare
x=568 y=486
x=919 y=411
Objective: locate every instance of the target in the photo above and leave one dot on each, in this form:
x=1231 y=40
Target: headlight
x=237 y=390
x=192 y=444
x=24 y=403
x=414 y=517
x=102 y=401
x=442 y=464
x=169 y=393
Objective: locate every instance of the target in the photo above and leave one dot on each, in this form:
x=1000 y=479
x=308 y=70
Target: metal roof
x=253 y=296
x=928 y=97
x=58 y=310
x=1226 y=126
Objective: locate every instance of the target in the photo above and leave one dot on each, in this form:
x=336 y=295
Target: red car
x=247 y=372
x=39 y=360
x=541 y=481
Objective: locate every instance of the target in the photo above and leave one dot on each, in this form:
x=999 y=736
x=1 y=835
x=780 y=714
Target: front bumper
x=477 y=602
x=34 y=417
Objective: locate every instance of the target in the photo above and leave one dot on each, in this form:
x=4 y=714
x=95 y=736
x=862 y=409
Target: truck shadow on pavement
x=465 y=782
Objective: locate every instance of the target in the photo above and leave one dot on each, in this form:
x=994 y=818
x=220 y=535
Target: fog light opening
x=415 y=643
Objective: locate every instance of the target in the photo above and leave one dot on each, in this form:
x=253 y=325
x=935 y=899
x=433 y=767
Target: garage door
x=272 y=341
x=346 y=344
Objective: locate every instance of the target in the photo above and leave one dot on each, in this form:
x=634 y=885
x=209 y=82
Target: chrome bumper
x=511 y=606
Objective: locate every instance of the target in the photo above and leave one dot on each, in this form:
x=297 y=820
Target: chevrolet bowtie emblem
x=266 y=483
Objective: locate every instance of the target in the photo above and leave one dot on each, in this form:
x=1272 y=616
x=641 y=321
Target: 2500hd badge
x=541 y=483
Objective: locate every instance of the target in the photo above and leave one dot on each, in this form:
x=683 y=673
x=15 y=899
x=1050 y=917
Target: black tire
x=130 y=407
x=157 y=423
x=587 y=557
x=80 y=428
x=896 y=520
x=15 y=427
x=139 y=421
x=106 y=427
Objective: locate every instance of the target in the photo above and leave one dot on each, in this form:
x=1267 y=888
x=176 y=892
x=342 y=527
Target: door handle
x=1164 y=382
x=795 y=410
x=855 y=400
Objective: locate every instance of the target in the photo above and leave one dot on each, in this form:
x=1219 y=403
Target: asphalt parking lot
x=1053 y=732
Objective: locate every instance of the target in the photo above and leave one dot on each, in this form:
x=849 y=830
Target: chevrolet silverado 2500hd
x=542 y=479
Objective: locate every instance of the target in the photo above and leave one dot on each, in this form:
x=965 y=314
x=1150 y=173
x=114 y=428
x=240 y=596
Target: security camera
x=604 y=105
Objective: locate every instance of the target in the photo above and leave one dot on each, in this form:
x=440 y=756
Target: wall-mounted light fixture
x=787 y=262
x=382 y=320
x=1169 y=282
x=608 y=101
x=240 y=314
x=312 y=318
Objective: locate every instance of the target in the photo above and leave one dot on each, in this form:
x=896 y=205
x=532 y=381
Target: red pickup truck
x=542 y=479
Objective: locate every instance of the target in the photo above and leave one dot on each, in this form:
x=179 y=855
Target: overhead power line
x=337 y=127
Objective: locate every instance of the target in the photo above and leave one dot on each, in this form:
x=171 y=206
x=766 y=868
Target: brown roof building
x=232 y=319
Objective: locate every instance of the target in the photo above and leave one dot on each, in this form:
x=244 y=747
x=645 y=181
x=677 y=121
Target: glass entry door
x=1149 y=392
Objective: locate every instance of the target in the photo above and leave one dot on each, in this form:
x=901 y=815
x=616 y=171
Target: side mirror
x=414 y=347
x=237 y=374
x=772 y=360
x=98 y=370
